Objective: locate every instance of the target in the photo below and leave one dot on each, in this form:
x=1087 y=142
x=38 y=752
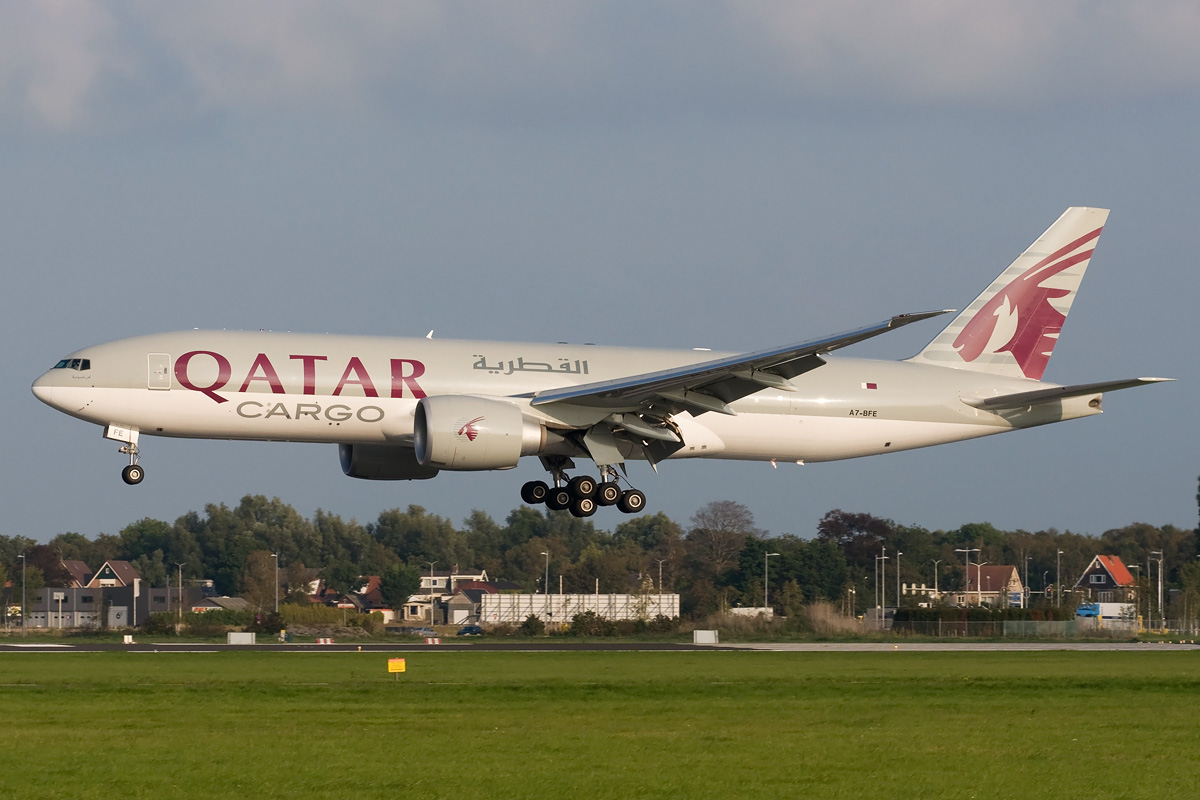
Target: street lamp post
x=1025 y=588
x=431 y=563
x=979 y=582
x=879 y=567
x=966 y=551
x=1158 y=554
x=179 y=598
x=546 y=585
x=1137 y=590
x=898 y=554
x=276 y=557
x=766 y=561
x=936 y=561
x=22 y=557
x=660 y=563
x=1058 y=578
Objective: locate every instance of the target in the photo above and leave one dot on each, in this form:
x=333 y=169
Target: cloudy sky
x=732 y=175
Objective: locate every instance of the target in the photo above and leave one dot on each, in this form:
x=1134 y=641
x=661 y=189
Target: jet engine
x=461 y=432
x=382 y=462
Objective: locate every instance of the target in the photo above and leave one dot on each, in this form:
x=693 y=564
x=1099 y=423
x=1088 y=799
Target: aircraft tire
x=558 y=499
x=632 y=502
x=133 y=474
x=534 y=492
x=582 y=486
x=608 y=494
x=583 y=507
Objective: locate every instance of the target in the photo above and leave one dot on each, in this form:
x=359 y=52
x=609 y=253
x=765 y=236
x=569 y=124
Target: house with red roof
x=1107 y=580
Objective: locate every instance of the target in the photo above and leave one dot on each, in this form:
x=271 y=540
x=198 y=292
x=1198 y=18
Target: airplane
x=410 y=408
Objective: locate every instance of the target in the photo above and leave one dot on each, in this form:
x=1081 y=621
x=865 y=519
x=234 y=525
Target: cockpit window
x=77 y=364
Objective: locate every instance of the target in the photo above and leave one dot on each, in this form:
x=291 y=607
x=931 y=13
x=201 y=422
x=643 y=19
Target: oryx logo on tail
x=1021 y=318
x=1011 y=328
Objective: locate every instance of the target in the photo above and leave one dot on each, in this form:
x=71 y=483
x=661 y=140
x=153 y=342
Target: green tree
x=341 y=577
x=258 y=580
x=398 y=583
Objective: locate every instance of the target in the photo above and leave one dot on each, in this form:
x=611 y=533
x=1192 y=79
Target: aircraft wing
x=713 y=385
x=1022 y=399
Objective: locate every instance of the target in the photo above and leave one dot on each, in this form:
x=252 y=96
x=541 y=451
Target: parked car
x=470 y=630
x=426 y=632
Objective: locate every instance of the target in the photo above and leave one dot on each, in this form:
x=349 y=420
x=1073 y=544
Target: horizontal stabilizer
x=1020 y=399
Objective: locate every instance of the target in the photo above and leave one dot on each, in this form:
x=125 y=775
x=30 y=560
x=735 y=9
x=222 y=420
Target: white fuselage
x=364 y=390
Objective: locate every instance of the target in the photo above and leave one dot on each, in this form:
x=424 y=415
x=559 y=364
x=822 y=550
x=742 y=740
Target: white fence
x=514 y=608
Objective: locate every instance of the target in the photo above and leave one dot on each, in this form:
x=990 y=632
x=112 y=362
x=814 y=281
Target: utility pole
x=1162 y=616
x=936 y=561
x=431 y=563
x=276 y=557
x=898 y=554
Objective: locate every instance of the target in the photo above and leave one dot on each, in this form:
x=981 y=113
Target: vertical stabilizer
x=1011 y=328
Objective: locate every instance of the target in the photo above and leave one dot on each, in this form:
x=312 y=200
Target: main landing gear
x=582 y=495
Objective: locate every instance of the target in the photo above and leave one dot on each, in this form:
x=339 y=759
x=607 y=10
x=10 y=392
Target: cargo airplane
x=406 y=409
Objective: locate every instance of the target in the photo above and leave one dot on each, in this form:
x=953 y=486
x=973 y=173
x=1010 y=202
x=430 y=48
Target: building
x=1107 y=580
x=995 y=585
x=560 y=608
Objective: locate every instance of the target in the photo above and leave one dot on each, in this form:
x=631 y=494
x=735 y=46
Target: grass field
x=612 y=725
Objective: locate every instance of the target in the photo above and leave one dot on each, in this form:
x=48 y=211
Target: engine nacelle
x=382 y=462
x=473 y=433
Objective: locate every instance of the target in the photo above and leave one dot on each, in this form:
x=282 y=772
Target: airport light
x=766 y=562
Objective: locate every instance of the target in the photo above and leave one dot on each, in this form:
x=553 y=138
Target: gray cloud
x=71 y=66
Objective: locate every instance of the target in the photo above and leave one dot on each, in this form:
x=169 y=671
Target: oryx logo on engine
x=469 y=430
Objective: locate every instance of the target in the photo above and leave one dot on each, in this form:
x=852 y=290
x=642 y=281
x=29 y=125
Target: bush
x=589 y=623
x=532 y=626
x=159 y=624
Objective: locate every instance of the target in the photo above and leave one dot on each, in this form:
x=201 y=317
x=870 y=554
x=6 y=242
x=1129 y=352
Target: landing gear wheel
x=582 y=486
x=133 y=474
x=534 y=492
x=583 y=507
x=608 y=494
x=632 y=502
x=558 y=499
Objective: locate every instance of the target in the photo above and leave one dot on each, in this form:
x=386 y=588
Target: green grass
x=612 y=725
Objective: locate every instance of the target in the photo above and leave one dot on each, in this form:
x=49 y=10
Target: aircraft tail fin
x=1011 y=328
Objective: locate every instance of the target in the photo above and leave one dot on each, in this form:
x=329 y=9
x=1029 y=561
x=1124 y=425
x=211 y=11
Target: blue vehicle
x=470 y=630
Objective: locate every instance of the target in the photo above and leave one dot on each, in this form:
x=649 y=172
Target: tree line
x=717 y=560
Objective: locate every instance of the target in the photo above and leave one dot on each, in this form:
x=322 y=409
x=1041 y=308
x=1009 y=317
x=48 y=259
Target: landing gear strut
x=582 y=495
x=133 y=473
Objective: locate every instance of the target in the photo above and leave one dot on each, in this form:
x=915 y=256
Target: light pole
x=660 y=563
x=1137 y=590
x=936 y=561
x=1158 y=554
x=979 y=582
x=879 y=567
x=546 y=585
x=276 y=557
x=1025 y=593
x=898 y=554
x=966 y=551
x=1058 y=578
x=179 y=598
x=766 y=561
x=22 y=557
x=431 y=563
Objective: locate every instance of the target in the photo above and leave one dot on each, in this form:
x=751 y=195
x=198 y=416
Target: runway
x=586 y=646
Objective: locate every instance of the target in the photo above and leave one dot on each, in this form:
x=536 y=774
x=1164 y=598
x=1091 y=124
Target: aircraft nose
x=44 y=390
